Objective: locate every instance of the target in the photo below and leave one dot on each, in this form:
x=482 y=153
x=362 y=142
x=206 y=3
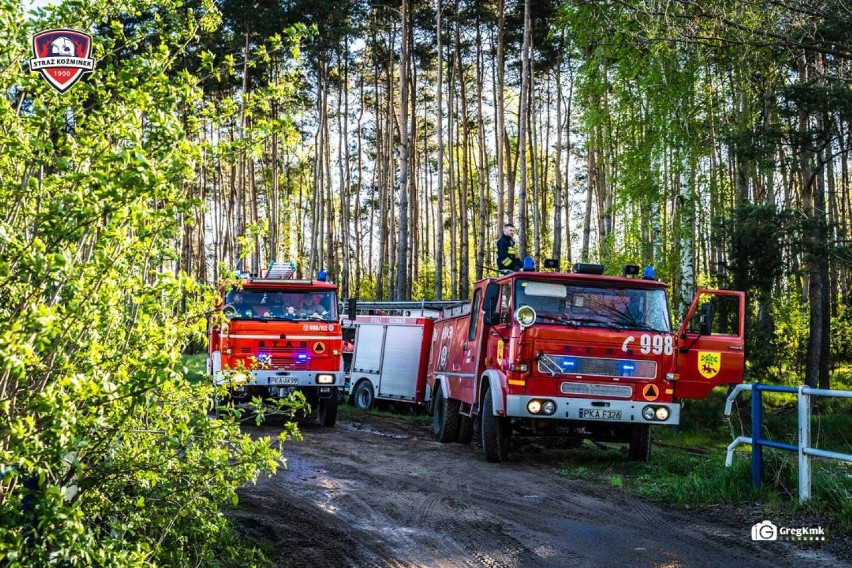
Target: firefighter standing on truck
x=507 y=250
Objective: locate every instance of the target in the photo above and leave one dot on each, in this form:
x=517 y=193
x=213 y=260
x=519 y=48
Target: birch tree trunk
x=687 y=231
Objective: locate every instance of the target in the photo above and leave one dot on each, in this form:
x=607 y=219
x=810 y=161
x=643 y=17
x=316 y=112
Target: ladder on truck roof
x=421 y=308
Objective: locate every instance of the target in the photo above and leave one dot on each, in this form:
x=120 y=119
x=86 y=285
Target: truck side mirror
x=706 y=321
x=491 y=316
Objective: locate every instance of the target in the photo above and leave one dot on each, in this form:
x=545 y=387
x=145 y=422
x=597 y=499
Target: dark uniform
x=507 y=254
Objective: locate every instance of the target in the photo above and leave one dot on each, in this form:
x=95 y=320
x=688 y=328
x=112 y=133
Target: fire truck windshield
x=281 y=305
x=595 y=306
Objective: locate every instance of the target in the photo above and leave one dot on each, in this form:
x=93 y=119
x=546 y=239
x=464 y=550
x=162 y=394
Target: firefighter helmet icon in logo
x=62 y=56
x=709 y=363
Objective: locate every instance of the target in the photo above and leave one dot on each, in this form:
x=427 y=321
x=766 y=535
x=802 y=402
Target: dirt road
x=378 y=491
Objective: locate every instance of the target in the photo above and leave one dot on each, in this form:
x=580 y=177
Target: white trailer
x=388 y=359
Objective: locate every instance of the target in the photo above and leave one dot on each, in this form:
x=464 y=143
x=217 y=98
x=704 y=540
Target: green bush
x=107 y=454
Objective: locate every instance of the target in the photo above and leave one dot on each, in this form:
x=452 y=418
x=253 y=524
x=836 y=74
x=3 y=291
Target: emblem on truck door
x=709 y=363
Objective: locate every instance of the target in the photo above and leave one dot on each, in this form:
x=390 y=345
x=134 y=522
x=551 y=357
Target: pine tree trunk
x=401 y=289
x=522 y=133
x=439 y=221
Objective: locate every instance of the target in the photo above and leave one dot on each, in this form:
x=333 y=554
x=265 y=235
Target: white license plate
x=600 y=414
x=283 y=380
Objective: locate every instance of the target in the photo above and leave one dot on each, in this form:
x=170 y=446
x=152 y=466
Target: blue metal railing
x=803 y=448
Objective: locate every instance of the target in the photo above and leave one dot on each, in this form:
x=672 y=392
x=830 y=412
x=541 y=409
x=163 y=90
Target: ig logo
x=764 y=531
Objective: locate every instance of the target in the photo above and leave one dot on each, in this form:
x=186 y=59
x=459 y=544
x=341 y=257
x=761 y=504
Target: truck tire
x=640 y=443
x=327 y=411
x=363 y=396
x=496 y=431
x=465 y=429
x=445 y=418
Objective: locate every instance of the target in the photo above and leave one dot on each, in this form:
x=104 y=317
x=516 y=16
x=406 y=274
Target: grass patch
x=680 y=477
x=394 y=409
x=194 y=367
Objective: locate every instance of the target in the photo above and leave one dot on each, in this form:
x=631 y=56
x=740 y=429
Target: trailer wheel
x=445 y=420
x=465 y=429
x=640 y=443
x=363 y=396
x=327 y=411
x=496 y=431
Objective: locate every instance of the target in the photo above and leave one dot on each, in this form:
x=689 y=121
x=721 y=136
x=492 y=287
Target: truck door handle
x=735 y=347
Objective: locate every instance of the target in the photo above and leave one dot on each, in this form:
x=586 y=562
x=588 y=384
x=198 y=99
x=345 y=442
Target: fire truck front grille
x=618 y=391
x=595 y=367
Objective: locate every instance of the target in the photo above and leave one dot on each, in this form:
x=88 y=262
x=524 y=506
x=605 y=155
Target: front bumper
x=279 y=378
x=568 y=408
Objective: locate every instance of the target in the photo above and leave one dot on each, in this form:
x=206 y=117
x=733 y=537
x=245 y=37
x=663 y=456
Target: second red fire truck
x=579 y=354
x=280 y=335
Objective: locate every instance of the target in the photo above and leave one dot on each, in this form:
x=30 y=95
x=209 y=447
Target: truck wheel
x=495 y=432
x=445 y=419
x=363 y=395
x=465 y=429
x=640 y=443
x=328 y=411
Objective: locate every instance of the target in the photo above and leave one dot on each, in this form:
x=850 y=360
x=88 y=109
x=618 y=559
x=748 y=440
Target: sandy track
x=378 y=491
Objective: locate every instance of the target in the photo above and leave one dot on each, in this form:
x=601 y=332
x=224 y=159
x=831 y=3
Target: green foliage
x=754 y=234
x=791 y=335
x=107 y=454
x=194 y=367
x=841 y=334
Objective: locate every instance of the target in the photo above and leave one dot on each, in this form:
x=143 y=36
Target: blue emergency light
x=322 y=276
x=529 y=264
x=301 y=357
x=648 y=273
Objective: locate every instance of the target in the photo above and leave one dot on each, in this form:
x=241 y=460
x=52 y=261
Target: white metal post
x=804 y=443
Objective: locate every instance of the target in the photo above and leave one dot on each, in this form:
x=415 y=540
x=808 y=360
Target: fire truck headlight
x=662 y=413
x=549 y=407
x=525 y=315
x=239 y=378
x=325 y=379
x=534 y=406
x=648 y=413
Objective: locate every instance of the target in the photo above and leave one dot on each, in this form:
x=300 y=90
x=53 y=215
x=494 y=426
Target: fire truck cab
x=588 y=355
x=280 y=335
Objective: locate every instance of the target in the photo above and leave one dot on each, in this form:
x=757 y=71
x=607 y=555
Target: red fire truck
x=280 y=335
x=580 y=354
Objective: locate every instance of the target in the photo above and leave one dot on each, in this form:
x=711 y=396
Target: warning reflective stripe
x=285 y=336
x=517 y=383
